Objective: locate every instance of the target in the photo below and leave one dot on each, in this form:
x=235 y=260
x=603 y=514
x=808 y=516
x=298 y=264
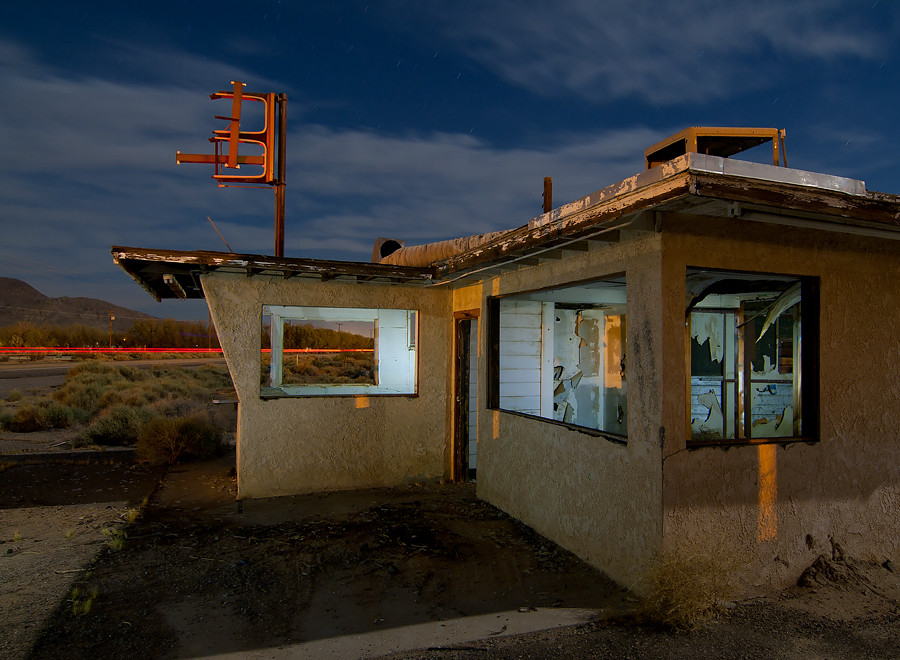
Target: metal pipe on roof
x=427 y=254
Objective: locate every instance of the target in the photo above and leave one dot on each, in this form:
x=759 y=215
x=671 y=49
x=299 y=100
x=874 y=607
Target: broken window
x=308 y=351
x=753 y=348
x=560 y=354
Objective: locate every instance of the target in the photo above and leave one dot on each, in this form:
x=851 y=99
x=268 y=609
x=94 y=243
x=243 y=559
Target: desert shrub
x=109 y=398
x=80 y=394
x=58 y=416
x=683 y=591
x=90 y=366
x=41 y=415
x=133 y=373
x=119 y=426
x=176 y=408
x=170 y=440
x=13 y=395
x=5 y=418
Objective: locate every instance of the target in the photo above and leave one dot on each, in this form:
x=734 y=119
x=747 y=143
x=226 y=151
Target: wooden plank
x=531 y=349
x=510 y=375
x=520 y=389
x=519 y=334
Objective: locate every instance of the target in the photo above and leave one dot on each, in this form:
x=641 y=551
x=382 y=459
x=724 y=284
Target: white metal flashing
x=694 y=162
x=742 y=168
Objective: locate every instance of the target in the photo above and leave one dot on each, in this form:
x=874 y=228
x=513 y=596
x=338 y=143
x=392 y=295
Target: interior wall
x=775 y=508
x=597 y=498
x=306 y=444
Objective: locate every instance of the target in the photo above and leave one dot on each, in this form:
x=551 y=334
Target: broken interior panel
x=561 y=355
x=752 y=352
x=309 y=351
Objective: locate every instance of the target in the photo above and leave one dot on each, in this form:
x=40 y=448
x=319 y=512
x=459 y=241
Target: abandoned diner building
x=699 y=358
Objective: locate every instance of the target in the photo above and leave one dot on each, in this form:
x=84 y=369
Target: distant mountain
x=22 y=302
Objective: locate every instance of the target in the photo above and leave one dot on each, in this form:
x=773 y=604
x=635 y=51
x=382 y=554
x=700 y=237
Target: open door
x=465 y=409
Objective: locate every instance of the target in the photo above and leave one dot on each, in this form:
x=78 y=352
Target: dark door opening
x=465 y=398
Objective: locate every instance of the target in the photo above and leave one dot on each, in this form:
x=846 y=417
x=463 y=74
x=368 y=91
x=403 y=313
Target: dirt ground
x=425 y=571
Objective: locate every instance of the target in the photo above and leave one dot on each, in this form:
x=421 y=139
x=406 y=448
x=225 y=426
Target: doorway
x=465 y=409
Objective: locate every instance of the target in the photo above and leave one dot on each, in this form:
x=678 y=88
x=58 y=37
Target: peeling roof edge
x=150 y=268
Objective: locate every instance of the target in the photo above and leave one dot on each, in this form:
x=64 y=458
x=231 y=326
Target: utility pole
x=112 y=318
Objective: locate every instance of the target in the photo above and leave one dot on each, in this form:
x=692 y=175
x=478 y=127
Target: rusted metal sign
x=227 y=158
x=227 y=143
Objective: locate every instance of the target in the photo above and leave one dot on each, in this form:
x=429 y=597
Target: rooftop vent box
x=715 y=141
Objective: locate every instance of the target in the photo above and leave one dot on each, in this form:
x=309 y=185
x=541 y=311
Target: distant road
x=31 y=375
x=32 y=369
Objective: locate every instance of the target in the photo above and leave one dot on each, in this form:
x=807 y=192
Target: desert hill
x=20 y=302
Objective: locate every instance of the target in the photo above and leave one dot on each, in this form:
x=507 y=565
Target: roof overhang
x=176 y=273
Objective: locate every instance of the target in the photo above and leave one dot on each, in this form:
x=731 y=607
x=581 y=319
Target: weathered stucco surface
x=306 y=444
x=599 y=499
x=774 y=508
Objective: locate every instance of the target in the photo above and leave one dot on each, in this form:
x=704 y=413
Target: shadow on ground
x=202 y=574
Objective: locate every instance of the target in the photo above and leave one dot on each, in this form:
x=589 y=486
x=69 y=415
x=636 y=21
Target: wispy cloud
x=661 y=52
x=95 y=167
x=427 y=187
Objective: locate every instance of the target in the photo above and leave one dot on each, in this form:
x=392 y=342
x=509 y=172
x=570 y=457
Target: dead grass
x=685 y=590
x=167 y=441
x=328 y=369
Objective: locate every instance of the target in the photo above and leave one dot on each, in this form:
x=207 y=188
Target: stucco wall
x=846 y=486
x=599 y=499
x=306 y=444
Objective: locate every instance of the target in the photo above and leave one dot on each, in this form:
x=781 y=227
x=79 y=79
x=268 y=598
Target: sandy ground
x=52 y=520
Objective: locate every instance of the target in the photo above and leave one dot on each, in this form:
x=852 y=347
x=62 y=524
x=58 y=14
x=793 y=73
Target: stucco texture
x=297 y=445
x=599 y=499
x=774 y=508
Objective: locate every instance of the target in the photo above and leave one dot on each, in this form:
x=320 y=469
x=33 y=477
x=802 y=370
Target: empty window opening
x=308 y=351
x=752 y=355
x=560 y=354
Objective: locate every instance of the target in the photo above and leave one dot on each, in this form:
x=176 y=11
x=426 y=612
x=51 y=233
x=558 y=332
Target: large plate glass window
x=560 y=354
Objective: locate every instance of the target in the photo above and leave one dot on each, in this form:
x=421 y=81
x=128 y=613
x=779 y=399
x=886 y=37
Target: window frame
x=807 y=378
x=407 y=386
x=493 y=359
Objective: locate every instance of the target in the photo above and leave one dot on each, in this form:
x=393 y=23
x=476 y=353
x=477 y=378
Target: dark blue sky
x=413 y=120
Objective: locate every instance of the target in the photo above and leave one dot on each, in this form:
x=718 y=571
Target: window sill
x=267 y=393
x=611 y=437
x=729 y=443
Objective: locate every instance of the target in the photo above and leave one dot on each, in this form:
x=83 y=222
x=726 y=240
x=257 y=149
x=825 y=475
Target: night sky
x=413 y=120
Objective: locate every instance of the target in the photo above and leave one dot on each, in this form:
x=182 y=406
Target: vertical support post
x=280 y=182
x=276 y=345
x=743 y=400
x=548 y=194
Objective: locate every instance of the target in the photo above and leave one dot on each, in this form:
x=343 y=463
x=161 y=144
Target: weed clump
x=170 y=440
x=684 y=591
x=83 y=601
x=120 y=426
x=13 y=395
x=117 y=536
